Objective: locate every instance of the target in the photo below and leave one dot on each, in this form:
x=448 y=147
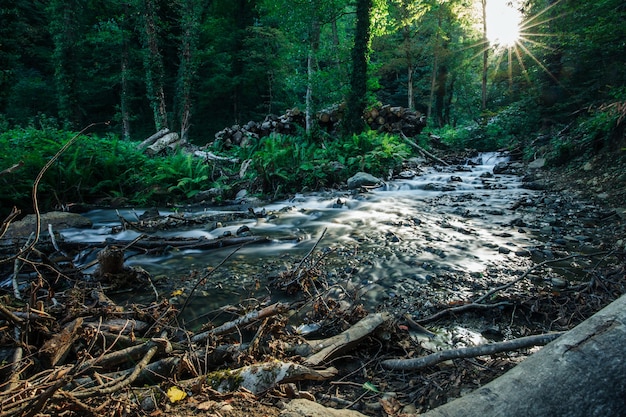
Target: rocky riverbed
x=478 y=251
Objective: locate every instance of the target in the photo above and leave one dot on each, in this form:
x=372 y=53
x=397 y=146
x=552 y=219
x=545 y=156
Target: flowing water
x=449 y=229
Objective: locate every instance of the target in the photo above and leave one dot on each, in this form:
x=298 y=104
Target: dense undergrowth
x=102 y=169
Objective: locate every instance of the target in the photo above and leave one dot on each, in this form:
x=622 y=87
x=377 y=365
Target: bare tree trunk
x=125 y=89
x=357 y=102
x=433 y=84
x=153 y=63
x=409 y=92
x=311 y=57
x=485 y=56
x=309 y=92
x=191 y=14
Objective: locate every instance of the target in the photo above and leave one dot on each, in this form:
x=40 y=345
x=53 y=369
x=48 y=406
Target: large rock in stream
x=58 y=219
x=362 y=179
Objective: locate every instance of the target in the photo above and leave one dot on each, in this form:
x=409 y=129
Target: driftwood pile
x=385 y=118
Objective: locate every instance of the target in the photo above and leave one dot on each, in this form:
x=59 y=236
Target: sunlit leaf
x=175 y=394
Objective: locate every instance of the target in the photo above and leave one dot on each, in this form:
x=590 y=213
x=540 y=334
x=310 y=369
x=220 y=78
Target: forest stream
x=471 y=254
x=443 y=235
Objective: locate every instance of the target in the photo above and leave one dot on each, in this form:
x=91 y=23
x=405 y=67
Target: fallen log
x=261 y=377
x=327 y=348
x=160 y=243
x=149 y=141
x=169 y=140
x=580 y=374
x=469 y=352
x=423 y=151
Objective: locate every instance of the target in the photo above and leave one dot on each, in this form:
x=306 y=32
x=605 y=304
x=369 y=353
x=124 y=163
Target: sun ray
x=530 y=19
x=543 y=67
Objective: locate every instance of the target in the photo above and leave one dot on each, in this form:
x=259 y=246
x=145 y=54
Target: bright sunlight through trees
x=503 y=23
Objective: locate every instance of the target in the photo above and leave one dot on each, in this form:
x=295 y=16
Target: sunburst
x=511 y=34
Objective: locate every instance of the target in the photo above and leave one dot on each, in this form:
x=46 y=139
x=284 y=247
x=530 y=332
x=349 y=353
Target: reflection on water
x=392 y=239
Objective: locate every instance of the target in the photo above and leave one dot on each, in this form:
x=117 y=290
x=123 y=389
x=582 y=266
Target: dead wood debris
x=70 y=349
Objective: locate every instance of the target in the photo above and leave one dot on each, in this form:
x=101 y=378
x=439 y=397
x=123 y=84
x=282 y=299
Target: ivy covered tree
x=357 y=98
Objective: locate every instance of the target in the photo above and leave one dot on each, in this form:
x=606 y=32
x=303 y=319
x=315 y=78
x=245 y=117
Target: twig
x=253 y=315
x=423 y=151
x=40 y=176
x=122 y=382
x=310 y=251
x=7 y=222
x=460 y=309
x=469 y=352
x=204 y=277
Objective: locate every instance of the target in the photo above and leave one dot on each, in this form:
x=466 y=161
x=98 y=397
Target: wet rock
x=58 y=219
x=438 y=187
x=209 y=194
x=455 y=178
x=537 y=163
x=243 y=230
x=407 y=174
x=535 y=185
x=504 y=250
x=150 y=214
x=361 y=179
x=241 y=195
x=558 y=282
x=502 y=168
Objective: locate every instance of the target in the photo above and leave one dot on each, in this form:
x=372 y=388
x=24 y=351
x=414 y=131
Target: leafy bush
x=93 y=169
x=506 y=128
x=105 y=170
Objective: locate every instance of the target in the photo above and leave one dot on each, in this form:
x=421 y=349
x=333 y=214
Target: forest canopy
x=197 y=67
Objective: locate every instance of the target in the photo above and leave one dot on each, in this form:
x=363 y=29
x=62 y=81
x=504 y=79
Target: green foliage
x=94 y=170
x=183 y=175
x=288 y=163
x=505 y=129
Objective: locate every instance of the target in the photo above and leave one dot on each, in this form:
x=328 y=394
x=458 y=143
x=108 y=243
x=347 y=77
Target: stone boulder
x=306 y=408
x=362 y=179
x=58 y=219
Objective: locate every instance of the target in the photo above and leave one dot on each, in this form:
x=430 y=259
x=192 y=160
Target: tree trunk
x=153 y=64
x=309 y=91
x=358 y=78
x=485 y=57
x=63 y=27
x=440 y=94
x=125 y=88
x=581 y=374
x=191 y=14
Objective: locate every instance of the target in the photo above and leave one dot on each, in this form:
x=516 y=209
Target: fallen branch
x=271 y=310
x=12 y=168
x=423 y=151
x=579 y=374
x=327 y=348
x=261 y=377
x=461 y=309
x=469 y=352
